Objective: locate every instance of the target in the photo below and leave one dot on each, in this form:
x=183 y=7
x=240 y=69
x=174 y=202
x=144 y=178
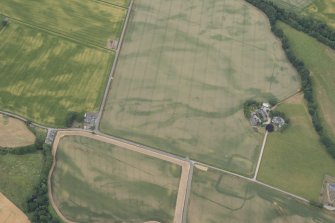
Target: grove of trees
x=316 y=29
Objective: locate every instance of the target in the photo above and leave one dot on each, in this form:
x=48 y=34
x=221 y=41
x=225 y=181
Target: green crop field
x=185 y=70
x=123 y=3
x=217 y=197
x=87 y=21
x=320 y=60
x=95 y=181
x=295 y=160
x=43 y=77
x=19 y=174
x=323 y=10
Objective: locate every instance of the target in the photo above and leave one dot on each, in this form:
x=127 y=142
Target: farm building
x=278 y=122
x=50 y=136
x=254 y=120
x=261 y=115
x=90 y=119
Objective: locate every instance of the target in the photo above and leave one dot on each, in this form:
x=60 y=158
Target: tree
x=5 y=21
x=270 y=128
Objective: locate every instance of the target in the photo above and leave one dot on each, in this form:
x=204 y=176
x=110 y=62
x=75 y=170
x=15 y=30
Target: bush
x=316 y=204
x=249 y=106
x=38 y=202
x=72 y=117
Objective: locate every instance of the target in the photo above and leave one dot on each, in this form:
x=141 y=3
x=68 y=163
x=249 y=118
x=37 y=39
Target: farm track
x=115 y=61
x=165 y=154
x=62 y=35
x=109 y=3
x=261 y=155
x=184 y=183
x=187 y=165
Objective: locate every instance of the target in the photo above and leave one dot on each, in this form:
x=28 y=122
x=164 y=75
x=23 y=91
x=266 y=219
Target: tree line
x=316 y=29
x=37 y=205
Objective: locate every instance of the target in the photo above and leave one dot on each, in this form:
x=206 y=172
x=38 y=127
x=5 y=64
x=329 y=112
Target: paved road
x=186 y=165
x=110 y=80
x=190 y=171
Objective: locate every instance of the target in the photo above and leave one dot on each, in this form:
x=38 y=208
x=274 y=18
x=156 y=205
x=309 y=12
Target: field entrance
x=184 y=72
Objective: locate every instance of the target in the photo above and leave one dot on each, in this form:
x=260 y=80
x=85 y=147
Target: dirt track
x=183 y=184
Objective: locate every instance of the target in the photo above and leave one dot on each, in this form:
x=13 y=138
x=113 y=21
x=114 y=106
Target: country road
x=115 y=61
x=184 y=183
x=164 y=153
x=191 y=163
x=187 y=165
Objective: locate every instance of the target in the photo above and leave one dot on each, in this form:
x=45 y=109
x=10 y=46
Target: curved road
x=184 y=182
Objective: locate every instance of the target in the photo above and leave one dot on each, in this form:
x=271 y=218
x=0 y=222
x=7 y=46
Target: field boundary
x=304 y=200
x=115 y=61
x=184 y=178
x=59 y=34
x=191 y=162
x=109 y=3
x=9 y=211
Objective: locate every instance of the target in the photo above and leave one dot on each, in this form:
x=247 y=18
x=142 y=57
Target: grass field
x=185 y=70
x=297 y=5
x=217 y=197
x=320 y=60
x=19 y=175
x=14 y=133
x=95 y=181
x=323 y=10
x=295 y=160
x=86 y=21
x=43 y=77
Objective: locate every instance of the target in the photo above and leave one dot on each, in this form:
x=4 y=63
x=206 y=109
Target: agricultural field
x=323 y=10
x=122 y=3
x=320 y=60
x=297 y=5
x=10 y=213
x=86 y=21
x=184 y=72
x=43 y=77
x=14 y=133
x=96 y=181
x=217 y=197
x=19 y=175
x=295 y=160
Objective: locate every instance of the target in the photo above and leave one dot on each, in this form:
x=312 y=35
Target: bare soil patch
x=9 y=213
x=14 y=133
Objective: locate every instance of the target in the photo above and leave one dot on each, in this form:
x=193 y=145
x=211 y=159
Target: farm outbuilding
x=90 y=119
x=279 y=122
